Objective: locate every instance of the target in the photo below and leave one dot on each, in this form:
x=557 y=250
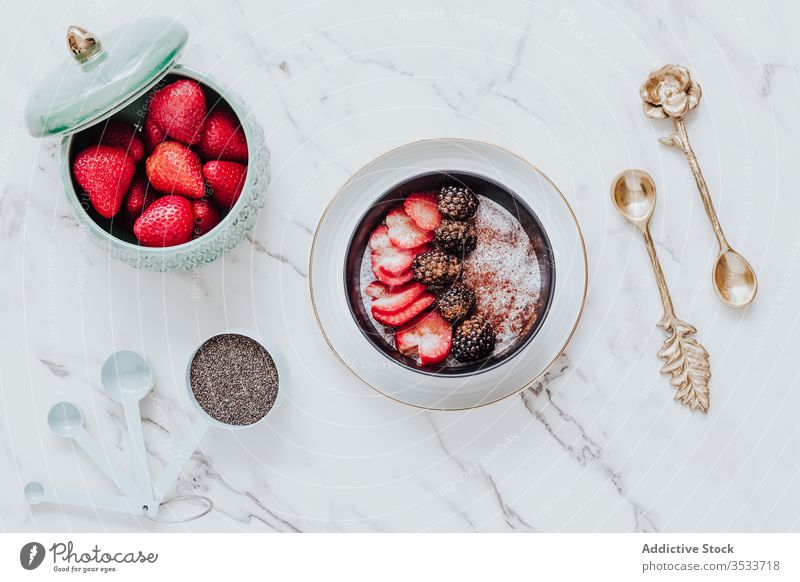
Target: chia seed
x=234 y=379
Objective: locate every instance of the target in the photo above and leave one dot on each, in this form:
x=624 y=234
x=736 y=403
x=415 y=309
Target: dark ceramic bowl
x=359 y=243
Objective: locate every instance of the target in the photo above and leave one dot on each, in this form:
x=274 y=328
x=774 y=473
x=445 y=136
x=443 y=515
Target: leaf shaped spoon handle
x=685 y=360
x=670 y=92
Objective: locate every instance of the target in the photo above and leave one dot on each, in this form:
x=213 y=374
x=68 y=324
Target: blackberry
x=473 y=340
x=456 y=303
x=457 y=202
x=458 y=238
x=436 y=268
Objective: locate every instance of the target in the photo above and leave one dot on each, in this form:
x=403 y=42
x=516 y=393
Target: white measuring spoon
x=127 y=378
x=36 y=493
x=187 y=447
x=65 y=420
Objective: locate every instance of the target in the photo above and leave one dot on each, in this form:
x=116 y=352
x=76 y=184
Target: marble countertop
x=599 y=445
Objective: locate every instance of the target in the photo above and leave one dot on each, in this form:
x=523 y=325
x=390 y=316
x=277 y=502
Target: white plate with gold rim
x=329 y=294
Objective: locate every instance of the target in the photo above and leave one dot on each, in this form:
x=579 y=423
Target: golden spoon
x=634 y=195
x=671 y=92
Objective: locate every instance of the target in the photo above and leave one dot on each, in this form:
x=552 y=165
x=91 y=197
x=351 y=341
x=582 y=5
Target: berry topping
x=429 y=335
x=398 y=299
x=421 y=207
x=457 y=202
x=376 y=289
x=436 y=268
x=456 y=237
x=397 y=318
x=456 y=303
x=473 y=340
x=392 y=280
x=379 y=239
x=404 y=232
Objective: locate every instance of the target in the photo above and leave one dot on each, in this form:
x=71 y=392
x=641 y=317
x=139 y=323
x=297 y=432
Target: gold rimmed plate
x=388 y=375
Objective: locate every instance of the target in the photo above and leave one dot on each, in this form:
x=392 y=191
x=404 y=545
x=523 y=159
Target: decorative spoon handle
x=684 y=358
x=681 y=140
x=670 y=92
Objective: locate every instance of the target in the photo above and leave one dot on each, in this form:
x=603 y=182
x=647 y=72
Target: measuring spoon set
x=126 y=378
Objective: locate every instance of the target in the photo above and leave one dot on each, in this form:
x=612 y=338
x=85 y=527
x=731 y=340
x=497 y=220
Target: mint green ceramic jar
x=115 y=80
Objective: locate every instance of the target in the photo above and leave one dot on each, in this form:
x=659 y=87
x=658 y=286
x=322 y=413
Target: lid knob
x=82 y=44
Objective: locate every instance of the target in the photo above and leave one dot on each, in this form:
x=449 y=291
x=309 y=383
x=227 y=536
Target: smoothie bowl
x=448 y=274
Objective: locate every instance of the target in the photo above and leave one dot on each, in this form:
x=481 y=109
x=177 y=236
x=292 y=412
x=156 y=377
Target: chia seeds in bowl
x=511 y=270
x=234 y=379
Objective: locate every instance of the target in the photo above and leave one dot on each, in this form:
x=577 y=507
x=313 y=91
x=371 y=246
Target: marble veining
x=598 y=444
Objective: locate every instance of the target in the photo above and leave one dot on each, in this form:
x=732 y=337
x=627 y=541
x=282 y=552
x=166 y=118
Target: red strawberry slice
x=392 y=280
x=152 y=134
x=397 y=318
x=179 y=110
x=423 y=208
x=379 y=239
x=398 y=299
x=226 y=180
x=429 y=335
x=105 y=173
x=404 y=232
x=223 y=138
x=376 y=289
x=393 y=261
x=175 y=169
x=166 y=222
x=124 y=136
x=206 y=216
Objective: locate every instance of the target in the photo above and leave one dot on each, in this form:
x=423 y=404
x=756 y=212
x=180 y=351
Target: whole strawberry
x=124 y=136
x=139 y=197
x=175 y=169
x=179 y=110
x=105 y=173
x=206 y=216
x=223 y=138
x=166 y=222
x=152 y=134
x=226 y=180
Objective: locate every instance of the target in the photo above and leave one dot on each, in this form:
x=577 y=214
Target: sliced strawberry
x=416 y=307
x=423 y=208
x=376 y=289
x=429 y=335
x=392 y=280
x=392 y=260
x=399 y=298
x=404 y=232
x=379 y=239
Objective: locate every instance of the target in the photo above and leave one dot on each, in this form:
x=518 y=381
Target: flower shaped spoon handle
x=671 y=92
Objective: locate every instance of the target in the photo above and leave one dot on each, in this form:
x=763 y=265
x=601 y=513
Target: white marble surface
x=600 y=445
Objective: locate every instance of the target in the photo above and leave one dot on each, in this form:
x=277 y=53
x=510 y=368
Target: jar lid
x=102 y=78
